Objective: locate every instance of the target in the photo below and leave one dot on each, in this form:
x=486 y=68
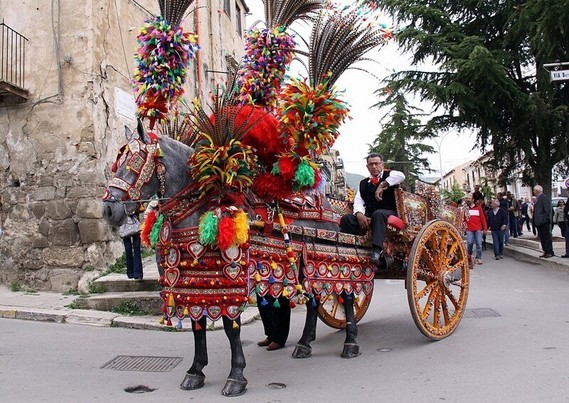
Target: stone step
x=119 y=282
x=148 y=302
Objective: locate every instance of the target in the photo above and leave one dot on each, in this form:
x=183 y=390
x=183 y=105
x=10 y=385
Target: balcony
x=12 y=63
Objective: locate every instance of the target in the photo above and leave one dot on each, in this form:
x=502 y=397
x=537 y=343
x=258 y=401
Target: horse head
x=147 y=165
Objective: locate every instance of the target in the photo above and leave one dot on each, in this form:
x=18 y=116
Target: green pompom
x=155 y=231
x=208 y=228
x=304 y=175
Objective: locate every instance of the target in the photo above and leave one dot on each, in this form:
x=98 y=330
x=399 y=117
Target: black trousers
x=544 y=233
x=349 y=224
x=276 y=321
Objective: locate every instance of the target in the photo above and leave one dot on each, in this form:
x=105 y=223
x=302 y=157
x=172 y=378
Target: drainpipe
x=199 y=52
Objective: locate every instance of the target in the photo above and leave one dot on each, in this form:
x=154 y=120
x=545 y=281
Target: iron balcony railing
x=12 y=56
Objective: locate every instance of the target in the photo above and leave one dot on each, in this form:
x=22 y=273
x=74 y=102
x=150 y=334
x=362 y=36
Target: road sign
x=567 y=183
x=559 y=75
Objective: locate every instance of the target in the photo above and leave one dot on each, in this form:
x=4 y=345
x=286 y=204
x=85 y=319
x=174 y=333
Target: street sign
x=559 y=75
x=567 y=183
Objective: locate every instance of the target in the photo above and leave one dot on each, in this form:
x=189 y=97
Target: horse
x=149 y=165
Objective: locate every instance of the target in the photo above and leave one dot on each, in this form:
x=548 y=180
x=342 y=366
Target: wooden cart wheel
x=438 y=279
x=331 y=311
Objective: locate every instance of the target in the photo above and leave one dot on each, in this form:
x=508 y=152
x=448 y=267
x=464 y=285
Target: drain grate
x=481 y=313
x=142 y=363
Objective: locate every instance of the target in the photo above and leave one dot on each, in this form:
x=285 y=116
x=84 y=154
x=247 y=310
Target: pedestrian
x=513 y=211
x=566 y=216
x=531 y=206
x=542 y=214
x=477 y=194
x=129 y=231
x=497 y=222
x=502 y=199
x=373 y=204
x=559 y=217
x=275 y=315
x=475 y=226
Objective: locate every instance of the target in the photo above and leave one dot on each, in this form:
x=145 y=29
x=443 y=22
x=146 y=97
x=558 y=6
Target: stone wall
x=56 y=149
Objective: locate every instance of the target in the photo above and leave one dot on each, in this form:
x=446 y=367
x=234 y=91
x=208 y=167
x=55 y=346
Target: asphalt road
x=512 y=346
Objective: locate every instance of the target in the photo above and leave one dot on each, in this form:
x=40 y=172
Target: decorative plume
x=285 y=12
x=341 y=38
x=173 y=10
x=269 y=51
x=222 y=161
x=162 y=58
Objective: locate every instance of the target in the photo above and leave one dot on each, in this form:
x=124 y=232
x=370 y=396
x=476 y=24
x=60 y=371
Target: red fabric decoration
x=146 y=227
x=271 y=187
x=374 y=181
x=263 y=136
x=197 y=325
x=225 y=232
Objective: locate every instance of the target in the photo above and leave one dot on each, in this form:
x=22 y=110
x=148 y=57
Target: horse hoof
x=192 y=382
x=301 y=351
x=350 y=350
x=234 y=387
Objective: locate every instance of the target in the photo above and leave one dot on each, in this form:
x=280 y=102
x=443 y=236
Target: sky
x=359 y=132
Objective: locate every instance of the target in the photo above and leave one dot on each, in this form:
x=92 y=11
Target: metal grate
x=481 y=313
x=142 y=363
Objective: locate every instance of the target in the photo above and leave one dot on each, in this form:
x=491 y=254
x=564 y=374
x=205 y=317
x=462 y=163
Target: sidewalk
x=54 y=307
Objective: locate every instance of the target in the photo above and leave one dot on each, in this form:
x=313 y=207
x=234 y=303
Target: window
x=227 y=7
x=238 y=19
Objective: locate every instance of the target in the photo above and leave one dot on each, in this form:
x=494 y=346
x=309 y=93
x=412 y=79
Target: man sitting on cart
x=373 y=204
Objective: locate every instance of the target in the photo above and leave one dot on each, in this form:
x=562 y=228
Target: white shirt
x=394 y=178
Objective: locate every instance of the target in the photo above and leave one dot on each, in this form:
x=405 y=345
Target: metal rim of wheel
x=438 y=279
x=331 y=311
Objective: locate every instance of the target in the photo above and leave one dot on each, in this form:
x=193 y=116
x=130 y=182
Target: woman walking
x=475 y=225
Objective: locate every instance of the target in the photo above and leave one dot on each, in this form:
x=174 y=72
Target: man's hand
x=363 y=221
x=379 y=191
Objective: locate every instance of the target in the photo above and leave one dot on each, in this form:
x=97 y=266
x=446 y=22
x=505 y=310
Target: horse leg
x=351 y=347
x=236 y=383
x=303 y=349
x=195 y=378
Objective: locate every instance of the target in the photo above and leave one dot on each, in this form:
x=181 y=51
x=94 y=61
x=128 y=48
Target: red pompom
x=225 y=232
x=146 y=228
x=287 y=167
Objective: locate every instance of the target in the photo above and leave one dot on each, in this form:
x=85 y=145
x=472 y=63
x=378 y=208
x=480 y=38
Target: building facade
x=62 y=118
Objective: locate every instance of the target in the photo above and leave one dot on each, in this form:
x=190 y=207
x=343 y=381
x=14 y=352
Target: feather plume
x=285 y=12
x=173 y=10
x=241 y=227
x=339 y=39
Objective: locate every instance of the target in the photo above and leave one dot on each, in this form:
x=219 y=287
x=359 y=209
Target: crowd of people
x=507 y=217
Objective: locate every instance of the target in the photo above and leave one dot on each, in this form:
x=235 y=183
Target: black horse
x=167 y=175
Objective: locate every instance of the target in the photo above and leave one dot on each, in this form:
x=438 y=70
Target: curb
x=107 y=319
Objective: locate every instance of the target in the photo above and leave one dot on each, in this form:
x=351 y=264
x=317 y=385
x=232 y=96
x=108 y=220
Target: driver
x=373 y=203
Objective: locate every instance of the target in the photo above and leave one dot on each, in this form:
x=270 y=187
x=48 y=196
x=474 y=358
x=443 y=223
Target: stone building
x=65 y=98
x=333 y=170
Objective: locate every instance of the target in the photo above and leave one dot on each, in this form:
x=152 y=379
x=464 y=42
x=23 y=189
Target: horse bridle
x=143 y=162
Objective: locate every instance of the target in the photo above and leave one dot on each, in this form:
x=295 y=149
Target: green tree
x=489 y=75
x=455 y=194
x=400 y=140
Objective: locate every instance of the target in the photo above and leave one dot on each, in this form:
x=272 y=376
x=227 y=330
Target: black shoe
x=376 y=257
x=548 y=255
x=565 y=256
x=543 y=255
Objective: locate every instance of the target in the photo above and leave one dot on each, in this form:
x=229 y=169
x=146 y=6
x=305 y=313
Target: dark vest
x=367 y=192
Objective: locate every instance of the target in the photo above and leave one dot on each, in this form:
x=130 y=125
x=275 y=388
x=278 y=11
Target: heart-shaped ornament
x=338 y=287
x=196 y=249
x=171 y=276
x=214 y=312
x=232 y=272
x=196 y=312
